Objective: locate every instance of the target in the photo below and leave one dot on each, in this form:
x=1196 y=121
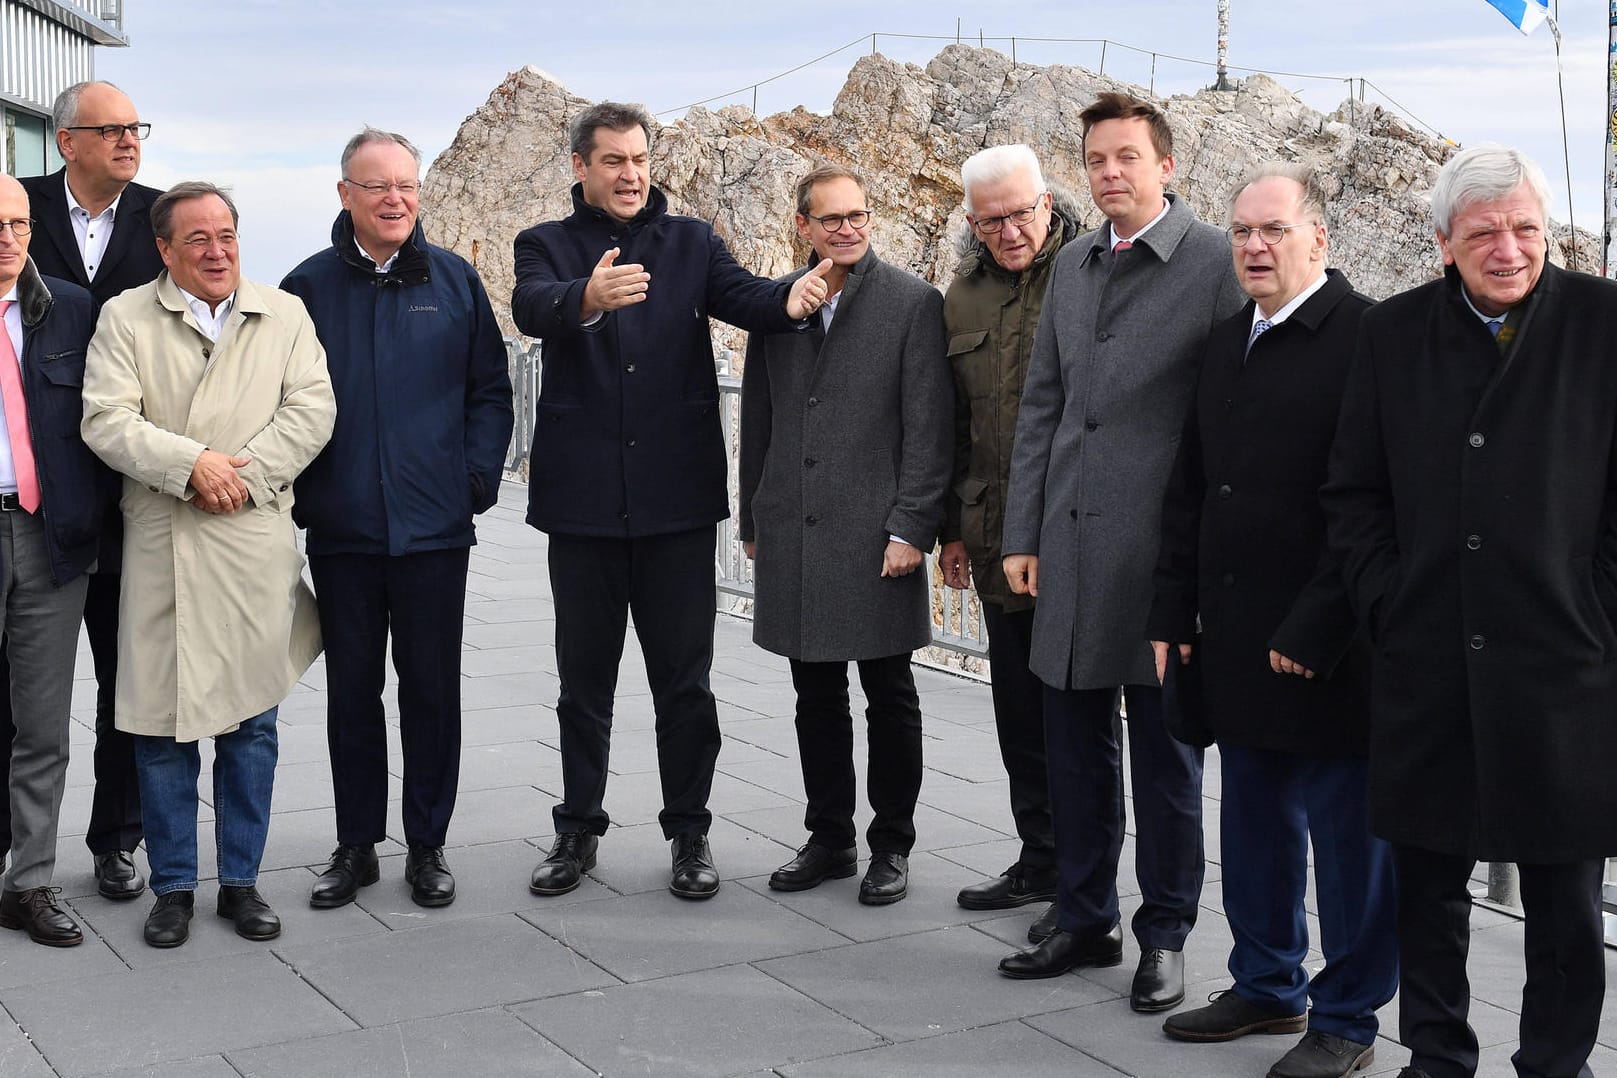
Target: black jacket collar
x=656 y=206
x=410 y=268
x=34 y=300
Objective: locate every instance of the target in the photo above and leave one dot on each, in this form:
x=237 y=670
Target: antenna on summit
x=1223 y=82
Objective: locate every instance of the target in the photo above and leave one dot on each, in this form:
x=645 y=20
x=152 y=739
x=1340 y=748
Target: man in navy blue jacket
x=423 y=424
x=45 y=326
x=628 y=472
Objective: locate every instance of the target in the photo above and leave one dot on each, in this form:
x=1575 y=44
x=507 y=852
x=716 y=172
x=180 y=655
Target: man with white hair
x=990 y=311
x=1473 y=497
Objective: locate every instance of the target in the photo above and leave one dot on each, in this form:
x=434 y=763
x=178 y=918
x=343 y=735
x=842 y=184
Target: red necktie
x=22 y=445
x=1122 y=245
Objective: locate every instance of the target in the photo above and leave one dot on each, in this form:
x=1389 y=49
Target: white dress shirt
x=93 y=233
x=211 y=323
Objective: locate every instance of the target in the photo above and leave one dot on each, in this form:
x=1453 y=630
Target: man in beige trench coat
x=209 y=394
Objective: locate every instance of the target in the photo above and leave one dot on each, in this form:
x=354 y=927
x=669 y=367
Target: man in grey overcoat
x=1111 y=378
x=845 y=456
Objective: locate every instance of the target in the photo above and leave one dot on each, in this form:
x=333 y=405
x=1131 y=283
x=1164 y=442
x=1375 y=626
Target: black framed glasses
x=380 y=189
x=20 y=226
x=114 y=132
x=1241 y=235
x=1020 y=218
x=832 y=222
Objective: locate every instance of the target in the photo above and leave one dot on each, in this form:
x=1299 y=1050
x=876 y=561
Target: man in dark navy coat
x=92 y=227
x=1473 y=498
x=628 y=472
x=424 y=420
x=1284 y=673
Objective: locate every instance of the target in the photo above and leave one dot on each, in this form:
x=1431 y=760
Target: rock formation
x=908 y=129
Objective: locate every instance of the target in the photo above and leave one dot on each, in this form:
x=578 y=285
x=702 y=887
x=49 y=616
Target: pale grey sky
x=262 y=94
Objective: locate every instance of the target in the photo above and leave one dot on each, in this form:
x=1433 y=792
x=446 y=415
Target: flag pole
x=1566 y=153
x=1611 y=142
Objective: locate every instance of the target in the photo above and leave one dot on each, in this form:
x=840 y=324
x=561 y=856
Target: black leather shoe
x=571 y=855
x=169 y=923
x=1228 y=1016
x=887 y=879
x=351 y=868
x=1043 y=925
x=813 y=865
x=253 y=916
x=1323 y=1055
x=116 y=876
x=1064 y=951
x=694 y=875
x=1159 y=981
x=427 y=873
x=1016 y=886
x=36 y=911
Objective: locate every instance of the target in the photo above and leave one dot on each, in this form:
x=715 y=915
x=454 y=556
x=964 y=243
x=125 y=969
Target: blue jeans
x=243 y=778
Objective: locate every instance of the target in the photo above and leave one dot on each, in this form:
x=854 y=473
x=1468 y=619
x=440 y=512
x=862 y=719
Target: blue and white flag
x=1524 y=15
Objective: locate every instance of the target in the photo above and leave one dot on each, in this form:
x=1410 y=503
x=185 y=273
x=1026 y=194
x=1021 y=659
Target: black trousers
x=1566 y=965
x=1086 y=796
x=421 y=600
x=825 y=745
x=1019 y=720
x=115 y=807
x=666 y=582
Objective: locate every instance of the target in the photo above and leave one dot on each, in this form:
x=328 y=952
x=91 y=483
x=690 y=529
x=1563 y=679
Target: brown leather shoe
x=36 y=911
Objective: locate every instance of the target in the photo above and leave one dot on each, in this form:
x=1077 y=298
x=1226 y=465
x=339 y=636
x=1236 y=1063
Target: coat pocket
x=973 y=495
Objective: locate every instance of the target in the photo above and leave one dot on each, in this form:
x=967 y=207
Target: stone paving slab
x=18 y=1056
x=974 y=1053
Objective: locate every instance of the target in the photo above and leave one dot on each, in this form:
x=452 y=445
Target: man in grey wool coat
x=845 y=455
x=1113 y=370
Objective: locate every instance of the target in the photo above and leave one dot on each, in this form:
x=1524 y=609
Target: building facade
x=45 y=47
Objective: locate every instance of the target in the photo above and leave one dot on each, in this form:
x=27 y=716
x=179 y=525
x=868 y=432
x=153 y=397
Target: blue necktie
x=1259 y=328
x=1495 y=325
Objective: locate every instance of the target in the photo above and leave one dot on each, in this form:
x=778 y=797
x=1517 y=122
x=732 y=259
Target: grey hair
x=65 y=109
x=162 y=211
x=997 y=163
x=1313 y=198
x=368 y=135
x=1485 y=173
x=613 y=115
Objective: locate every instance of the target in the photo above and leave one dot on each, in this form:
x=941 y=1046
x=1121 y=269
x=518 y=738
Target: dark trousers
x=1273 y=803
x=666 y=582
x=1566 y=965
x=825 y=745
x=421 y=600
x=1086 y=801
x=115 y=808
x=1019 y=720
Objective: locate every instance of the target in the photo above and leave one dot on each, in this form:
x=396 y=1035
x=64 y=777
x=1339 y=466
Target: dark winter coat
x=990 y=315
x=1473 y=498
x=424 y=410
x=626 y=442
x=1243 y=535
x=843 y=444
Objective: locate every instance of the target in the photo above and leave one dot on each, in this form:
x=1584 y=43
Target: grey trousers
x=41 y=625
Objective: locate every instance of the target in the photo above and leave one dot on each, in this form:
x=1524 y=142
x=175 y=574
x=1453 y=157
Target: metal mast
x=1223 y=82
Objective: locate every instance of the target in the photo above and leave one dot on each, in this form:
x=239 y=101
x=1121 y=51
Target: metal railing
x=959 y=640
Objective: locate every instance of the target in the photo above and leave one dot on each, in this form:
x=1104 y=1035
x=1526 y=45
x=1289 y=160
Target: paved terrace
x=619 y=977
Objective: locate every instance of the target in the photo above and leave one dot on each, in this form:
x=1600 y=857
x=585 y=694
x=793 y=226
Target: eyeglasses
x=115 y=132
x=19 y=227
x=1020 y=218
x=832 y=222
x=1241 y=235
x=381 y=189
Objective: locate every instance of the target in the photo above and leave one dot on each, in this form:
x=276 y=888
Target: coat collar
x=974 y=254
x=411 y=267
x=249 y=298
x=34 y=300
x=1318 y=307
x=1162 y=240
x=656 y=206
x=1549 y=283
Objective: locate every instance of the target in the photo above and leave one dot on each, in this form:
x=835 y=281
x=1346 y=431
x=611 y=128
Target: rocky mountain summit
x=907 y=129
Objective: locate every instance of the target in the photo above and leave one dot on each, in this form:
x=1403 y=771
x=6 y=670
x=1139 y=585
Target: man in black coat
x=628 y=472
x=1473 y=498
x=1286 y=681
x=92 y=227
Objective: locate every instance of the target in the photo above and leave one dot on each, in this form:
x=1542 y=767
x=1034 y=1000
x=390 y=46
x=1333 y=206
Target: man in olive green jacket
x=990 y=312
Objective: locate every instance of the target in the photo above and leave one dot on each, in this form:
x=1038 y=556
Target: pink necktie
x=1122 y=245
x=22 y=445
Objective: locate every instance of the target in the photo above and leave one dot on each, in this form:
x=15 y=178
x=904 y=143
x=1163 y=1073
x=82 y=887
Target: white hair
x=1485 y=173
x=997 y=163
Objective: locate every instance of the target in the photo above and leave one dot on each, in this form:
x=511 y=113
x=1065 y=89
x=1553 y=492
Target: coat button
x=1229 y=579
x=1102 y=336
x=811 y=521
x=623 y=516
x=808 y=462
x=1090 y=424
x=631 y=443
x=1225 y=491
x=1073 y=513
x=1478 y=642
x=1473 y=542
x=813 y=402
x=1476 y=440
x=629 y=367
